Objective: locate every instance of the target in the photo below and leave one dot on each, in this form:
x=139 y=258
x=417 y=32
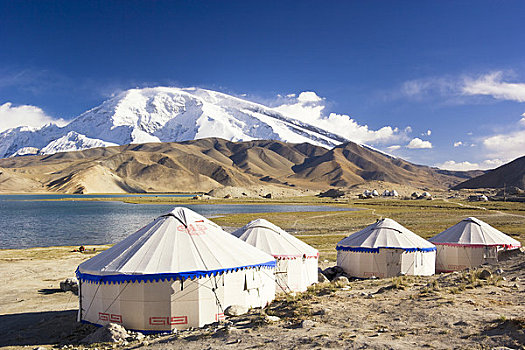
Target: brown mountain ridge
x=205 y=164
x=508 y=175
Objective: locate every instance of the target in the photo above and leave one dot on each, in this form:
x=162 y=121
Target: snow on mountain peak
x=73 y=141
x=165 y=114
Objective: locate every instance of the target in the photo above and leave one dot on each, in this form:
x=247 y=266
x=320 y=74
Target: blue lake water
x=28 y=221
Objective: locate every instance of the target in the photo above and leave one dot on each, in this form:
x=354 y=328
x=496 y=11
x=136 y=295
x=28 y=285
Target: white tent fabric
x=179 y=271
x=470 y=243
x=297 y=262
x=385 y=249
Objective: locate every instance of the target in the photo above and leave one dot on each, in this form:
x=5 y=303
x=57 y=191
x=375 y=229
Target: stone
x=69 y=284
x=498 y=272
x=341 y=279
x=321 y=278
x=307 y=324
x=236 y=310
x=485 y=274
x=273 y=318
x=112 y=332
x=515 y=279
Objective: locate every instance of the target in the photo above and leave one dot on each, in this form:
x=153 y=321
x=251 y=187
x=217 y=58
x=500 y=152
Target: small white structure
x=375 y=193
x=367 y=193
x=387 y=193
x=386 y=249
x=297 y=262
x=470 y=243
x=179 y=271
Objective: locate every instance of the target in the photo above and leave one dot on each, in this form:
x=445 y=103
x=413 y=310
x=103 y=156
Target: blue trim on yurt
x=165 y=276
x=376 y=250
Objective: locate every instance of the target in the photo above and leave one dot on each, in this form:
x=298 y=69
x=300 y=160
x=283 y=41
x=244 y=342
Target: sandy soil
x=457 y=310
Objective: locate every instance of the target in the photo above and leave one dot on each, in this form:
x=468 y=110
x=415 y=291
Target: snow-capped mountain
x=164 y=114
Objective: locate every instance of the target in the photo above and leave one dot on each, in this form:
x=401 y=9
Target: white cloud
x=506 y=146
x=463 y=166
x=308 y=96
x=429 y=132
x=310 y=108
x=393 y=148
x=431 y=86
x=458 y=143
x=492 y=84
x=466 y=165
x=24 y=115
x=417 y=143
x=522 y=120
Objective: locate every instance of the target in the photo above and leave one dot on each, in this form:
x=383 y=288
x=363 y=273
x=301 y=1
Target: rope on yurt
x=118 y=295
x=122 y=290
x=220 y=308
x=92 y=299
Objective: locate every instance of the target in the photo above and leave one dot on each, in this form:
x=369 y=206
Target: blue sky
x=456 y=68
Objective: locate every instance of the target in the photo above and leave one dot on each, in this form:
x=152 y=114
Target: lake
x=31 y=221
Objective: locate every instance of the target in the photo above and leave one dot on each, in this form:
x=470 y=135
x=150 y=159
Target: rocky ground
x=464 y=310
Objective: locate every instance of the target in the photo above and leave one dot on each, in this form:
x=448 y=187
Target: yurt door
x=490 y=255
x=281 y=275
x=393 y=262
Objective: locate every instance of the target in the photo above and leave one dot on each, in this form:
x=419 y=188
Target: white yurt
x=297 y=262
x=386 y=249
x=179 y=271
x=470 y=243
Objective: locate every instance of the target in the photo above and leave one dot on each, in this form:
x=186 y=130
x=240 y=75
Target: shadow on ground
x=42 y=328
x=48 y=291
x=509 y=332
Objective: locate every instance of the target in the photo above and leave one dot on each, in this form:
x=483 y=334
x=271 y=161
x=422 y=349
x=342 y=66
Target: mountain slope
x=510 y=174
x=205 y=164
x=165 y=114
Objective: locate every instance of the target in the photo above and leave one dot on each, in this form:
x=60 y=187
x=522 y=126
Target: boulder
x=321 y=278
x=69 y=284
x=341 y=279
x=236 y=310
x=110 y=333
x=273 y=318
x=307 y=324
x=485 y=274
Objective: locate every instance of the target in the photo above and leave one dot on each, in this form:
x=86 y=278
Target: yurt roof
x=179 y=245
x=384 y=234
x=472 y=231
x=275 y=241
